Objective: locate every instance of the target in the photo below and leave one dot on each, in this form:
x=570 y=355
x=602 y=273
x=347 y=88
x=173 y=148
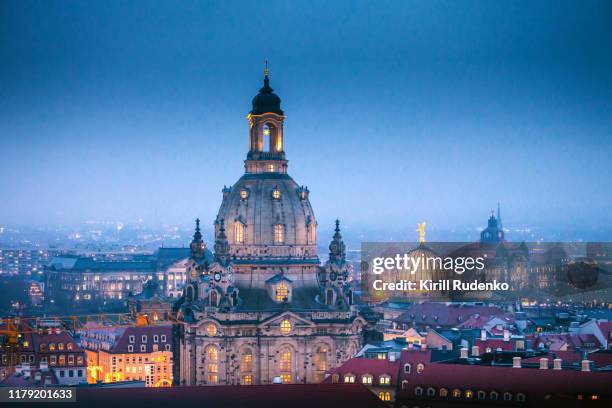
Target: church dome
x=267 y=215
x=266 y=101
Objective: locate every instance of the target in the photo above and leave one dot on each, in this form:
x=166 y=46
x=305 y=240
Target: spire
x=221 y=244
x=499 y=221
x=421 y=231
x=337 y=249
x=266 y=88
x=266 y=70
x=197 y=244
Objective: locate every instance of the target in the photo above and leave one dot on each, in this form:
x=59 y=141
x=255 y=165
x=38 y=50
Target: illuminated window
x=335 y=378
x=282 y=292
x=211 y=330
x=279 y=234
x=349 y=378
x=247 y=379
x=238 y=232
x=366 y=379
x=443 y=392
x=60 y=346
x=246 y=361
x=456 y=393
x=286 y=360
x=320 y=358
x=285 y=327
x=385 y=396
x=51 y=346
x=469 y=394
x=384 y=379
x=212 y=368
x=276 y=194
x=62 y=360
x=244 y=194
x=270 y=168
x=420 y=368
x=69 y=346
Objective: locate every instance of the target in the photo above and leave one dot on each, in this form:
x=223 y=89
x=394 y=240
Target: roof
x=494 y=344
x=442 y=314
x=373 y=366
x=83 y=264
x=231 y=396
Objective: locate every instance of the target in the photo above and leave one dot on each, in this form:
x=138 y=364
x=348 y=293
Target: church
x=263 y=309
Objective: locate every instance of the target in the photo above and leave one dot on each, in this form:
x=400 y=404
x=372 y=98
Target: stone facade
x=264 y=310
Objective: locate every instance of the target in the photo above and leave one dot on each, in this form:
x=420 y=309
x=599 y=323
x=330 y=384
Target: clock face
x=333 y=276
x=217 y=276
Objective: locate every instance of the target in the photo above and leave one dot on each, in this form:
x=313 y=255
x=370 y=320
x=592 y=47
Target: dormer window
x=211 y=330
x=282 y=292
x=244 y=194
x=276 y=194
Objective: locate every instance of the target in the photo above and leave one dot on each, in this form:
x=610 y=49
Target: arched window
x=279 y=234
x=384 y=379
x=469 y=394
x=51 y=346
x=520 y=397
x=482 y=395
x=265 y=139
x=246 y=361
x=320 y=358
x=456 y=393
x=431 y=392
x=418 y=391
x=493 y=396
x=385 y=396
x=212 y=366
x=60 y=346
x=507 y=396
x=407 y=368
x=282 y=292
x=366 y=379
x=238 y=232
x=335 y=378
x=214 y=298
x=349 y=378
x=443 y=392
x=420 y=368
x=286 y=364
x=404 y=384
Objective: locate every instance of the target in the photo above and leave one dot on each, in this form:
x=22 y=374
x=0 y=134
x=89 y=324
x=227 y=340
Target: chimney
x=586 y=365
x=464 y=352
x=516 y=362
x=475 y=351
x=483 y=335
x=557 y=364
x=543 y=363
x=506 y=335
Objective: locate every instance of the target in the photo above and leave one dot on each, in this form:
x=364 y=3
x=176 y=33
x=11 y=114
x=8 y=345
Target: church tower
x=263 y=310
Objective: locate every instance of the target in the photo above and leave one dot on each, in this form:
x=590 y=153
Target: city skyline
x=122 y=113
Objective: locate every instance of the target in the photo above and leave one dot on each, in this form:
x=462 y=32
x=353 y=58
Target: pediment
x=294 y=318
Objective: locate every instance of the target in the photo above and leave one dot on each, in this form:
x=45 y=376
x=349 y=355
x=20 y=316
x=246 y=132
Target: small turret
x=337 y=249
x=222 y=245
x=198 y=247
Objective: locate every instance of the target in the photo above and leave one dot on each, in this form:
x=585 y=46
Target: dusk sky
x=397 y=112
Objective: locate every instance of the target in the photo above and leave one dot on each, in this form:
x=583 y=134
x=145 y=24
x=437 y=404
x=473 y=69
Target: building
x=265 y=310
x=83 y=283
x=138 y=353
x=48 y=355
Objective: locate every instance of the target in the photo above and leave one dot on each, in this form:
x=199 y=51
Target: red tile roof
x=494 y=344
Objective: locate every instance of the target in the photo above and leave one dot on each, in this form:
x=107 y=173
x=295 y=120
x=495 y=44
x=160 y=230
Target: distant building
x=141 y=353
x=80 y=282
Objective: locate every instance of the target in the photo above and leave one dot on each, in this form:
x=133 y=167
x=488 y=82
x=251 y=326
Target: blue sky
x=397 y=112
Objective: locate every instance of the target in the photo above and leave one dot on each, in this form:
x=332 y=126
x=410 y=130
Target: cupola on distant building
x=264 y=310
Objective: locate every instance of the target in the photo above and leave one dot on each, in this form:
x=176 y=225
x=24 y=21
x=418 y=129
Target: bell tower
x=266 y=149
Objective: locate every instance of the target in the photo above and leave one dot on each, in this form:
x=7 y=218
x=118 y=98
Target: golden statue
x=421 y=231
